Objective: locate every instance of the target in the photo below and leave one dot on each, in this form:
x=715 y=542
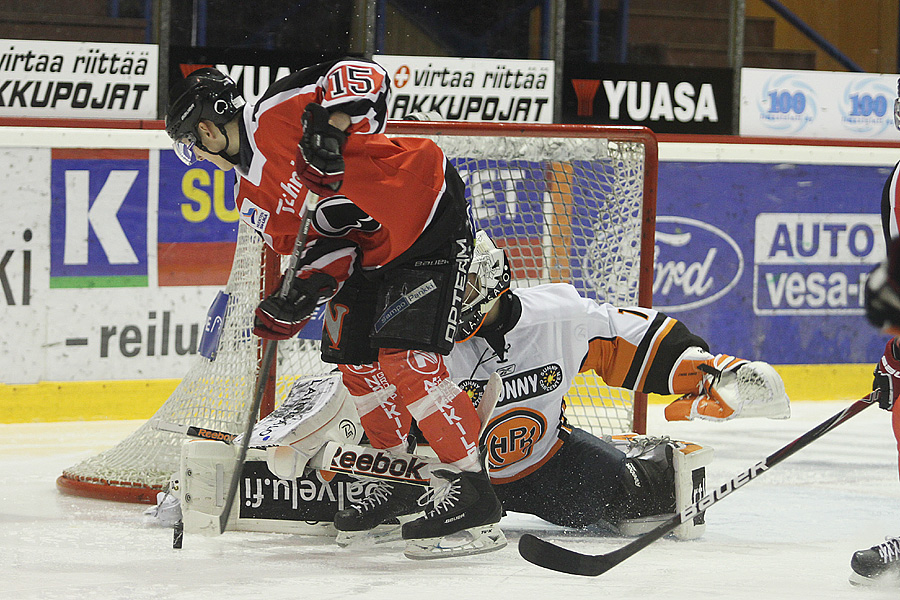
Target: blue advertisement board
x=196 y=203
x=764 y=260
x=769 y=261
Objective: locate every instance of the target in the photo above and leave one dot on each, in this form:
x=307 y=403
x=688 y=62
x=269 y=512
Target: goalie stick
x=550 y=556
x=192 y=431
x=266 y=363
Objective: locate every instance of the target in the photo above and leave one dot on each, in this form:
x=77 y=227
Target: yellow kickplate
x=83 y=400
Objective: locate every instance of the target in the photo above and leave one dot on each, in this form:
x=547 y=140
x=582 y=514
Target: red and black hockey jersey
x=391 y=189
x=889 y=210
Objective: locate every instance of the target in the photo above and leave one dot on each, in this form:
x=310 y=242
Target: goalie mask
x=488 y=278
x=204 y=95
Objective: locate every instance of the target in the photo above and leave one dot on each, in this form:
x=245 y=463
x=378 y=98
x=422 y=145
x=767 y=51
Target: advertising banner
x=197 y=223
x=78 y=79
x=253 y=70
x=24 y=262
x=665 y=99
x=818 y=104
x=110 y=262
x=110 y=259
x=471 y=89
x=460 y=89
x=769 y=260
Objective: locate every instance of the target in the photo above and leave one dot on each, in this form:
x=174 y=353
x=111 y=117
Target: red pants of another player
x=424 y=392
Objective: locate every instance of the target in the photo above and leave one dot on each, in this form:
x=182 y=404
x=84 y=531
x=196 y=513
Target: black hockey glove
x=280 y=318
x=887 y=378
x=882 y=298
x=320 y=164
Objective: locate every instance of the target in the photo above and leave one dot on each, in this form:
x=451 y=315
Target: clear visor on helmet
x=184 y=149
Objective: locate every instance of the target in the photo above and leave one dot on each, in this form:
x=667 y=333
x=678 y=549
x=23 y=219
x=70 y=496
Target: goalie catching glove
x=279 y=318
x=320 y=163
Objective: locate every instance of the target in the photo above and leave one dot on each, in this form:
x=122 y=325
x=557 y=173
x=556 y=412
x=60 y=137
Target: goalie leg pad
x=666 y=464
x=206 y=469
x=690 y=462
x=316 y=411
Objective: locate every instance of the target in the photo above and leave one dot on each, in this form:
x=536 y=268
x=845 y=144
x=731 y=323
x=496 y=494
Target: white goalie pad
x=690 y=462
x=206 y=469
x=264 y=502
x=316 y=411
x=314 y=468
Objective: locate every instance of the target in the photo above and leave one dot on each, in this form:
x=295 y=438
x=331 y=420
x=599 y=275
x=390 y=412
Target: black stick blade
x=556 y=558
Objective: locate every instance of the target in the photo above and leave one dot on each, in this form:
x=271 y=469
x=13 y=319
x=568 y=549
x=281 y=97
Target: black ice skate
x=878 y=565
x=461 y=518
x=379 y=515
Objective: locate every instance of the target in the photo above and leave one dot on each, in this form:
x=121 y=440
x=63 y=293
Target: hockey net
x=568 y=203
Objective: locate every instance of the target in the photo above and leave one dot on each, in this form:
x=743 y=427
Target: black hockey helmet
x=206 y=94
x=488 y=278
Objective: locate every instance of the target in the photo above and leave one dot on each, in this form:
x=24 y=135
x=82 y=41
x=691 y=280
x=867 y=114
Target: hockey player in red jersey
x=388 y=251
x=538 y=462
x=882 y=562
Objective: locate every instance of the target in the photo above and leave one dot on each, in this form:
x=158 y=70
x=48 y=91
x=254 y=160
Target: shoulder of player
x=298 y=87
x=306 y=78
x=552 y=302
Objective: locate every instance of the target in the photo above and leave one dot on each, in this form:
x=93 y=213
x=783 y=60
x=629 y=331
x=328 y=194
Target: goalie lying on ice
x=539 y=464
x=545 y=466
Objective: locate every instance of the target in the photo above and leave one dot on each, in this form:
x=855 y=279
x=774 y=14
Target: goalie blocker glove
x=280 y=318
x=320 y=162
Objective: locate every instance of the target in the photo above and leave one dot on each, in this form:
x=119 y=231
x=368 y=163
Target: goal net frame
x=564 y=172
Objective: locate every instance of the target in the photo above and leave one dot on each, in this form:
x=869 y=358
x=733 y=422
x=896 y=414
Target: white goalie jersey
x=558 y=335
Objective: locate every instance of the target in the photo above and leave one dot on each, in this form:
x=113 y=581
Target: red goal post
x=574 y=203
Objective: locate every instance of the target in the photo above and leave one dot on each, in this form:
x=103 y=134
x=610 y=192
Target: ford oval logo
x=694 y=264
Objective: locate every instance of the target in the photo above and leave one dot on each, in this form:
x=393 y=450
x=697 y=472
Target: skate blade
x=885 y=580
x=381 y=534
x=475 y=540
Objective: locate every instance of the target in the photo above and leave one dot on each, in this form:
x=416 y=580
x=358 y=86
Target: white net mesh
x=565 y=209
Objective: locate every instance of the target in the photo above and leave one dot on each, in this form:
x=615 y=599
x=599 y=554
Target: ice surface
x=788 y=534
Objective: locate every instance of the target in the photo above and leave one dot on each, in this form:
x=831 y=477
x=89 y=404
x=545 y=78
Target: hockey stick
x=266 y=363
x=550 y=556
x=192 y=431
